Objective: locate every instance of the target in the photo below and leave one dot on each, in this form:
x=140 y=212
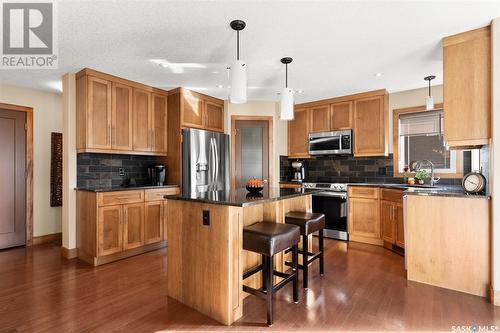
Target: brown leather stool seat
x=308 y=223
x=268 y=239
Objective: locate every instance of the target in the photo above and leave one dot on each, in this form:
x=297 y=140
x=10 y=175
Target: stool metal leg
x=270 y=293
x=263 y=273
x=305 y=259
x=321 y=257
x=295 y=260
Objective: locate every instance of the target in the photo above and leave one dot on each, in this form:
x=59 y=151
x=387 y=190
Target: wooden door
x=298 y=134
x=364 y=217
x=214 y=116
x=153 y=224
x=133 y=225
x=98 y=113
x=159 y=120
x=369 y=127
x=251 y=151
x=387 y=221
x=192 y=112
x=121 y=117
x=109 y=230
x=13 y=181
x=399 y=224
x=341 y=115
x=142 y=132
x=320 y=118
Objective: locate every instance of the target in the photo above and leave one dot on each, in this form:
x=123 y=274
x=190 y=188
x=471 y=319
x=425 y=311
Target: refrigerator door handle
x=216 y=178
x=213 y=161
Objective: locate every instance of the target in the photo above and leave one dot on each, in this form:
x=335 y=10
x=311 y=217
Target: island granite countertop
x=241 y=197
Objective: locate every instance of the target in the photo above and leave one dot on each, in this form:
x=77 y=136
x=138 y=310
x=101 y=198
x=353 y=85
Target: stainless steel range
x=333 y=203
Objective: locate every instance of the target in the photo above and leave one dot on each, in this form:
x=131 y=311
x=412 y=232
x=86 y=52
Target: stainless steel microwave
x=331 y=143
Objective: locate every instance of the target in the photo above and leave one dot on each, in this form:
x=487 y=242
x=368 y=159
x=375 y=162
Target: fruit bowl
x=254 y=189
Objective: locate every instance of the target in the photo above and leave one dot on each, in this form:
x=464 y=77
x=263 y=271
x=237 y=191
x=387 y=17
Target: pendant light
x=238 y=73
x=286 y=105
x=429 y=101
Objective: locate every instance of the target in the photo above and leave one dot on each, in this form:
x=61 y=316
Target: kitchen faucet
x=418 y=166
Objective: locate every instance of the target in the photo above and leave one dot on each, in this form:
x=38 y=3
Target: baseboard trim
x=69 y=253
x=50 y=238
x=494 y=296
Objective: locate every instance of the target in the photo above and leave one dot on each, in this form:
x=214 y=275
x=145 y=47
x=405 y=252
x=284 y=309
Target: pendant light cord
x=429 y=88
x=286 y=75
x=238 y=45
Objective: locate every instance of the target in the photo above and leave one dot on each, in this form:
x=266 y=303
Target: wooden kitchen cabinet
x=97 y=120
x=467 y=88
x=201 y=111
x=154 y=221
x=133 y=226
x=400 y=228
x=159 y=125
x=370 y=137
x=364 y=215
x=118 y=224
x=114 y=115
x=320 y=118
x=391 y=217
x=192 y=112
x=387 y=221
x=142 y=132
x=121 y=117
x=341 y=115
x=298 y=134
x=110 y=230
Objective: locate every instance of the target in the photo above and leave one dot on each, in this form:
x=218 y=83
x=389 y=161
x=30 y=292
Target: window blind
x=421 y=123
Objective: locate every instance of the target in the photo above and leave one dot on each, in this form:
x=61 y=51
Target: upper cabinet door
x=369 y=127
x=192 y=113
x=142 y=132
x=98 y=113
x=341 y=115
x=159 y=123
x=214 y=116
x=298 y=134
x=121 y=117
x=467 y=88
x=320 y=118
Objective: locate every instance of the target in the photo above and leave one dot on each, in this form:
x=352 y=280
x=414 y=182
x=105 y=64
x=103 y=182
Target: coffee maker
x=156 y=175
x=298 y=171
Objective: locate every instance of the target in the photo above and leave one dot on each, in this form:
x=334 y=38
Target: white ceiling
x=337 y=46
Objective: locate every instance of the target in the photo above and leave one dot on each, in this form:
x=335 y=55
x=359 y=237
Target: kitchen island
x=205 y=253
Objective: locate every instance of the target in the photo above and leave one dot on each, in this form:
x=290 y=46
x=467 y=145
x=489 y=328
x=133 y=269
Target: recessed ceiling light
x=299 y=91
x=215 y=72
x=378 y=74
x=219 y=86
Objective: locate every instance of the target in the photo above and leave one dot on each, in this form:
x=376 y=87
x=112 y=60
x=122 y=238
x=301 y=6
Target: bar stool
x=308 y=223
x=268 y=239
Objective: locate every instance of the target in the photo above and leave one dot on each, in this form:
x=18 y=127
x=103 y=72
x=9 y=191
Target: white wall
x=261 y=108
x=409 y=98
x=47 y=118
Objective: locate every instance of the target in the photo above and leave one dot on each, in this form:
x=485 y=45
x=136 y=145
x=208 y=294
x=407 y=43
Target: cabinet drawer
x=391 y=195
x=157 y=194
x=120 y=197
x=363 y=192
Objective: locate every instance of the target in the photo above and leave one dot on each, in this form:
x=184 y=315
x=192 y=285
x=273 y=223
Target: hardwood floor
x=363 y=289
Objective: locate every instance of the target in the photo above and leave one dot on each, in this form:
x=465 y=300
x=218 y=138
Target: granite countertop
x=241 y=197
x=122 y=188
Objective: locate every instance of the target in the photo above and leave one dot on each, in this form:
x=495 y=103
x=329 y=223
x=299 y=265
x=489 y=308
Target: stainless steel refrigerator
x=205 y=162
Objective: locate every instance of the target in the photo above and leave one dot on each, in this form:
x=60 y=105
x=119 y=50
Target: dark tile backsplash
x=102 y=170
x=348 y=169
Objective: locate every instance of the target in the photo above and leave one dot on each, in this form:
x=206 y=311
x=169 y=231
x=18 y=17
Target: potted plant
x=422 y=176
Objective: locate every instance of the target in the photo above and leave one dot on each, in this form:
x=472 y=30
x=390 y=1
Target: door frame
x=269 y=120
x=29 y=165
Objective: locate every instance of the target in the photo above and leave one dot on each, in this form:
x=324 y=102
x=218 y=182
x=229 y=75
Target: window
x=421 y=138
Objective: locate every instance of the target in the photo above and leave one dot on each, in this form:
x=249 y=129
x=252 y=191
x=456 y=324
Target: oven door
x=334 y=206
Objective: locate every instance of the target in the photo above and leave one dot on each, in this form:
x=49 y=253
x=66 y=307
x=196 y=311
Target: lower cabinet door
x=153 y=226
x=133 y=226
x=400 y=228
x=387 y=212
x=363 y=216
x=110 y=230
